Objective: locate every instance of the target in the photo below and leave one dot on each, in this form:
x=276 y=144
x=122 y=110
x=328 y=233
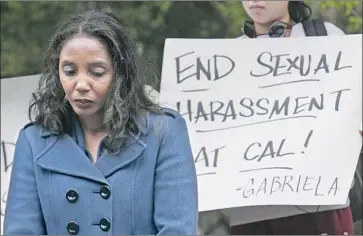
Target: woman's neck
x=262 y=29
x=92 y=124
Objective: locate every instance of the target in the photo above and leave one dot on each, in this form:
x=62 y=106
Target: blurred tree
x=27 y=26
x=25 y=30
x=345 y=14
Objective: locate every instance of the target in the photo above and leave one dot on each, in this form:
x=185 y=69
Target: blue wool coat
x=148 y=187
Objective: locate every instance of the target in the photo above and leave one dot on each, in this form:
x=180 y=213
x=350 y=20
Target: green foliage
x=348 y=14
x=25 y=30
x=27 y=26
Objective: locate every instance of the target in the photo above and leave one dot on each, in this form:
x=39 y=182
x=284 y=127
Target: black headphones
x=276 y=30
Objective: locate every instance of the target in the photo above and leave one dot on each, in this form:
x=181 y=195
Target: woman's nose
x=82 y=85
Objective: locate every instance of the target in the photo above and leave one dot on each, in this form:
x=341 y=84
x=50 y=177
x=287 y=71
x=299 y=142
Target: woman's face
x=266 y=12
x=86 y=74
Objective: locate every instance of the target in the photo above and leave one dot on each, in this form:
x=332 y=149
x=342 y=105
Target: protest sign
x=274 y=122
x=15 y=97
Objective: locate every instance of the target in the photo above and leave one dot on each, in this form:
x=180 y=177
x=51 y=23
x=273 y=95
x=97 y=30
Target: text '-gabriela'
x=315 y=185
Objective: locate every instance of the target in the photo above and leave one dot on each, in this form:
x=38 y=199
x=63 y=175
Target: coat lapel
x=132 y=150
x=110 y=163
x=62 y=155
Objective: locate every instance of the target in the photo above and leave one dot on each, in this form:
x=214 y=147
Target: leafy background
x=27 y=26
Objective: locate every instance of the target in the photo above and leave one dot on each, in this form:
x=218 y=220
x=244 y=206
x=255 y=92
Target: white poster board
x=272 y=122
x=15 y=97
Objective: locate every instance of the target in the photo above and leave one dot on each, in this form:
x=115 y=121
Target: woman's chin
x=85 y=111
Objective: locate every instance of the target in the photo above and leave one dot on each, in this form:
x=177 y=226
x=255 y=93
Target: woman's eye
x=69 y=71
x=98 y=72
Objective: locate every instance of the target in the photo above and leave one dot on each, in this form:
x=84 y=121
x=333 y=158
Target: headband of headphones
x=276 y=30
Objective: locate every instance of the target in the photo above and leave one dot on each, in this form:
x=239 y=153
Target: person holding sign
x=288 y=19
x=99 y=157
x=277 y=19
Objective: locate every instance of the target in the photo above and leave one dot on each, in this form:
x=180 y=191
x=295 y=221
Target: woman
x=294 y=220
x=290 y=14
x=99 y=157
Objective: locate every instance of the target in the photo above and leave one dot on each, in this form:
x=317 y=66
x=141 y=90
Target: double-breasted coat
x=148 y=187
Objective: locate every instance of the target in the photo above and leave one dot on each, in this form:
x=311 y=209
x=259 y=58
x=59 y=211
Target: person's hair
x=299 y=11
x=127 y=99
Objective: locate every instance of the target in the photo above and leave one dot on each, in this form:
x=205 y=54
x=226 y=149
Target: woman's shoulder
x=333 y=29
x=166 y=119
x=170 y=113
x=164 y=115
x=34 y=132
x=30 y=137
x=31 y=129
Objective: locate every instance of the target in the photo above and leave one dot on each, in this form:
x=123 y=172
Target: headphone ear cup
x=277 y=29
x=249 y=29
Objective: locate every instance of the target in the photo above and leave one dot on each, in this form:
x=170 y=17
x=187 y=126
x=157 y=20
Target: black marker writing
x=223 y=111
x=307 y=140
x=334 y=186
x=4 y=197
x=6 y=156
x=268 y=186
x=284 y=64
x=208 y=160
x=198 y=68
x=337 y=100
x=270 y=149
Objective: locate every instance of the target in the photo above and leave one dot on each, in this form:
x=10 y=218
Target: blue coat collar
x=63 y=155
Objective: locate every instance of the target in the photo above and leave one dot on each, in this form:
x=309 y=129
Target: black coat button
x=72 y=196
x=72 y=228
x=105 y=224
x=105 y=192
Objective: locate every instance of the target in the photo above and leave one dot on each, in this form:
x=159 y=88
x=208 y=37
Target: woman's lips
x=83 y=103
x=257 y=7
